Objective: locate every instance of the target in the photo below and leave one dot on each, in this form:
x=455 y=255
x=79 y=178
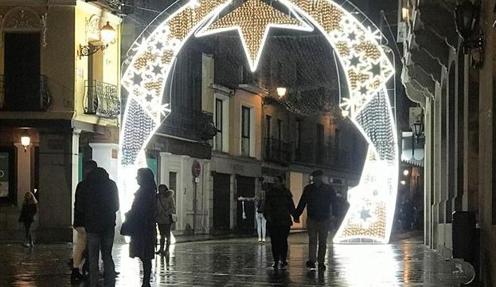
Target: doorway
x=22 y=72
x=246 y=188
x=222 y=206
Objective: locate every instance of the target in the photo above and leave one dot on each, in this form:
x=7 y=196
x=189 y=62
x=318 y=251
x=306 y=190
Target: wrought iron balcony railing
x=190 y=124
x=325 y=155
x=102 y=99
x=17 y=94
x=277 y=151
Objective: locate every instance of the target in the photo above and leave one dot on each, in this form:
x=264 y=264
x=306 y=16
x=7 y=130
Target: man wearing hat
x=318 y=198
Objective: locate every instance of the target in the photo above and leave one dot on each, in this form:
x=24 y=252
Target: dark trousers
x=103 y=242
x=165 y=233
x=27 y=232
x=147 y=270
x=279 y=242
x=317 y=232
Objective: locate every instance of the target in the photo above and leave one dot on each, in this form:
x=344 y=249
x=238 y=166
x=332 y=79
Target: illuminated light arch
x=365 y=65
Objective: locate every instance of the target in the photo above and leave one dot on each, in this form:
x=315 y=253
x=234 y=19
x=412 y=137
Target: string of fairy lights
x=363 y=62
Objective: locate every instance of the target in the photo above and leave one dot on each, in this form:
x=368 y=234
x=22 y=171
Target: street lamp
x=107 y=36
x=418 y=129
x=281 y=91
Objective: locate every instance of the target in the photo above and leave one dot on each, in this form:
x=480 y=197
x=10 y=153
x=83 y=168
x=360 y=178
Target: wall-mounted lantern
x=467 y=25
x=25 y=141
x=107 y=37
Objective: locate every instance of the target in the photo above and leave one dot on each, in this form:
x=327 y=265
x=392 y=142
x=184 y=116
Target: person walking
x=318 y=197
x=100 y=206
x=259 y=200
x=142 y=218
x=165 y=216
x=28 y=211
x=79 y=247
x=278 y=209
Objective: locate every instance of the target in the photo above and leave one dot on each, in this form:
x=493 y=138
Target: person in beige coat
x=165 y=216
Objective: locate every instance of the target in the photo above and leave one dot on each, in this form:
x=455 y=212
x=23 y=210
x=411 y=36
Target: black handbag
x=128 y=228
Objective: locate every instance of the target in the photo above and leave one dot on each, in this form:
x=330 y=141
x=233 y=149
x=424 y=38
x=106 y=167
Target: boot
x=161 y=250
x=76 y=276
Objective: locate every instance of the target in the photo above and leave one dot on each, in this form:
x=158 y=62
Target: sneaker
x=159 y=252
x=322 y=267
x=284 y=265
x=259 y=240
x=263 y=240
x=310 y=265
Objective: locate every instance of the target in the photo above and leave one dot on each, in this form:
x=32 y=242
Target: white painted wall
x=105 y=155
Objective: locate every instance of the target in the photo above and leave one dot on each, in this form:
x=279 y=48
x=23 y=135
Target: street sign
x=196 y=168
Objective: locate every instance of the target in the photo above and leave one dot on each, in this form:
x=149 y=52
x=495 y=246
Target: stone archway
x=365 y=65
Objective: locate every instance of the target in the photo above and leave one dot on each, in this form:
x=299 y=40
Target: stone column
x=58 y=161
x=436 y=166
x=23 y=172
x=234 y=202
x=428 y=174
x=470 y=165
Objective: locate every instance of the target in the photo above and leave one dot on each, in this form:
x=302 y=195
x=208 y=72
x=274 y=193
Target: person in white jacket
x=259 y=200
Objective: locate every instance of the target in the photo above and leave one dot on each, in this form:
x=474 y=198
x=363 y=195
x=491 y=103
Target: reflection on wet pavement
x=242 y=262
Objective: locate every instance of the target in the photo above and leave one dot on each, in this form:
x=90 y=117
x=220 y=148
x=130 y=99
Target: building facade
x=452 y=79
x=65 y=103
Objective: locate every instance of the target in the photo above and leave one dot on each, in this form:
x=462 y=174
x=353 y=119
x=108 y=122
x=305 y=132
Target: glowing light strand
x=364 y=63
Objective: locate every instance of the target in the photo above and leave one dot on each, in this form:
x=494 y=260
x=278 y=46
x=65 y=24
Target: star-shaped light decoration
x=252 y=20
x=365 y=214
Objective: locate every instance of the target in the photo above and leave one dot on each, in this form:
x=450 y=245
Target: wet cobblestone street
x=243 y=262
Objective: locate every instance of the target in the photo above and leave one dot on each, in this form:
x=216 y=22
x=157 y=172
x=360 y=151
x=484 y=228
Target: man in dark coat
x=318 y=198
x=101 y=204
x=78 y=224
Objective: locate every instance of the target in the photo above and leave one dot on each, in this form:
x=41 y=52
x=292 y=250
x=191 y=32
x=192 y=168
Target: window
x=337 y=139
x=218 y=124
x=245 y=131
x=268 y=131
x=221 y=121
x=279 y=130
x=268 y=123
x=8 y=192
x=319 y=147
x=22 y=84
x=298 y=135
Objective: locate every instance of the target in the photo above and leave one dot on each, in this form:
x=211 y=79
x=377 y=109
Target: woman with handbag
x=140 y=222
x=165 y=216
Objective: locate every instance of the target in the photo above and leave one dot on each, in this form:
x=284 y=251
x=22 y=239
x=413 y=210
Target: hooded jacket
x=101 y=202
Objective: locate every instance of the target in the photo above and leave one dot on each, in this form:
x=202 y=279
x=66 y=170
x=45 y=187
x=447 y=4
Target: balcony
x=190 y=124
x=277 y=151
x=24 y=96
x=101 y=99
x=327 y=156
